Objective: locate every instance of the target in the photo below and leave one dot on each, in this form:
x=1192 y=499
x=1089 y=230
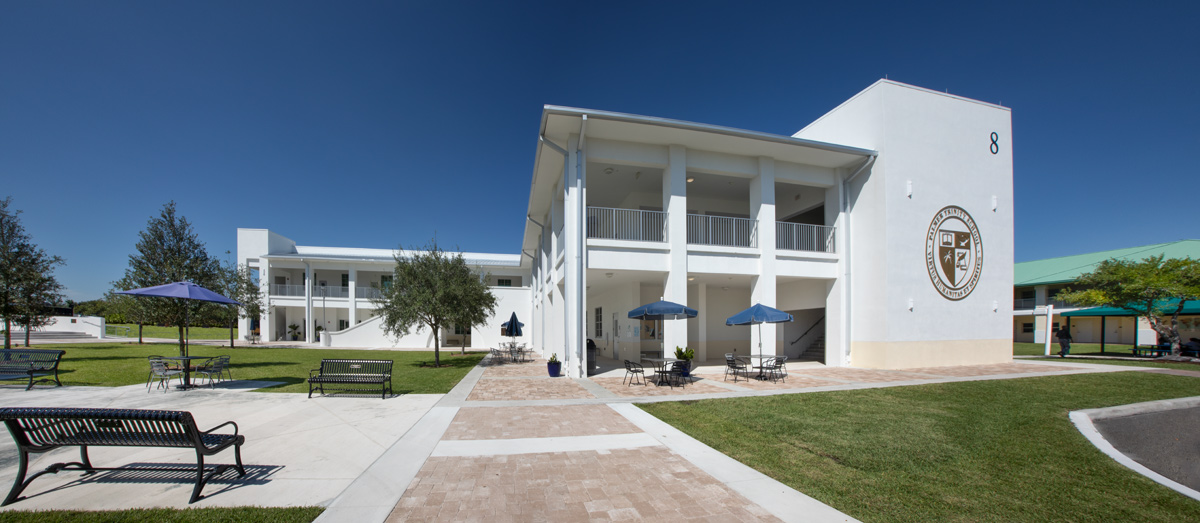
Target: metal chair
x=225 y=365
x=159 y=370
x=733 y=366
x=211 y=367
x=673 y=373
x=632 y=371
x=777 y=369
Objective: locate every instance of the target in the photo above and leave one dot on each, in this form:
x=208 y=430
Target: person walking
x=1064 y=341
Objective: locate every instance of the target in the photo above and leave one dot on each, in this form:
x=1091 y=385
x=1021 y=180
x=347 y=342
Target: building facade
x=885 y=227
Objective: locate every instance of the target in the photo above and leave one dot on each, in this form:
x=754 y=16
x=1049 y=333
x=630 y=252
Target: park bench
x=39 y=430
x=27 y=364
x=352 y=372
x=1150 y=351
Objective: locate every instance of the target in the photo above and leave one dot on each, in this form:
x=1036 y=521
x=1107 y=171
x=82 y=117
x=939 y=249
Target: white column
x=675 y=205
x=352 y=316
x=762 y=290
x=308 y=304
x=266 y=322
x=702 y=321
x=572 y=285
x=835 y=321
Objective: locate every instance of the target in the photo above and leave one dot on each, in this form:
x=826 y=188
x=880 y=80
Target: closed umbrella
x=663 y=310
x=185 y=290
x=512 y=327
x=759 y=314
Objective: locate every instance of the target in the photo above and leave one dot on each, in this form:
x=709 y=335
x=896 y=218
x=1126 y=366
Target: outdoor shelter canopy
x=1189 y=308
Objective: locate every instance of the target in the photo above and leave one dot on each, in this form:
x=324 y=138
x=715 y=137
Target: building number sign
x=995 y=143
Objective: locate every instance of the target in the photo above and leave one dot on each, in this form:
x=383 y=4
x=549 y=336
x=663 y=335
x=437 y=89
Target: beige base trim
x=916 y=354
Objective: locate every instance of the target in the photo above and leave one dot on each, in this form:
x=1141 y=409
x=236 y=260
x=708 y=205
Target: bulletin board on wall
x=650 y=330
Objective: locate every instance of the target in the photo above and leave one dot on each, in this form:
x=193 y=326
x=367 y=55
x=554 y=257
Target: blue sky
x=378 y=124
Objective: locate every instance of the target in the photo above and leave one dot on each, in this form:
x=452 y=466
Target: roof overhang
x=559 y=123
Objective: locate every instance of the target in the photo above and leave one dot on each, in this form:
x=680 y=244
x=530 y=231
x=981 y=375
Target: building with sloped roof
x=1036 y=285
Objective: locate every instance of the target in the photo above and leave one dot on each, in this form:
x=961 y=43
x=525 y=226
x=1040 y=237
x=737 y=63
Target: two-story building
x=885 y=227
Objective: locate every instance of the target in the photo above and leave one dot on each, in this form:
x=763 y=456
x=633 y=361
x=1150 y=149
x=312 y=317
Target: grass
x=1093 y=349
x=968 y=451
x=116 y=364
x=172 y=332
x=191 y=515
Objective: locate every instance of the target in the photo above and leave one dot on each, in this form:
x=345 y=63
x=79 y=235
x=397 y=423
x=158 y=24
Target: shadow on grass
x=458 y=362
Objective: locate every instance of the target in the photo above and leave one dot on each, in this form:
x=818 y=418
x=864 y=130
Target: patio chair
x=672 y=373
x=777 y=369
x=225 y=365
x=210 y=368
x=634 y=371
x=159 y=370
x=733 y=366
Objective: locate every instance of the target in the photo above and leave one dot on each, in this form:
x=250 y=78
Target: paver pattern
x=793 y=381
x=509 y=370
x=475 y=423
x=642 y=484
x=859 y=375
x=964 y=371
x=527 y=389
x=650 y=389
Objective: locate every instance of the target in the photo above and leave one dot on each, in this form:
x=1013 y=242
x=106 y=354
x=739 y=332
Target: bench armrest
x=235 y=428
x=314 y=372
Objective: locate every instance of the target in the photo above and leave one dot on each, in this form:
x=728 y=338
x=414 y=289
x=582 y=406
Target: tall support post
x=1049 y=326
x=675 y=284
x=266 y=322
x=352 y=315
x=837 y=301
x=762 y=210
x=573 y=349
x=701 y=326
x=308 y=304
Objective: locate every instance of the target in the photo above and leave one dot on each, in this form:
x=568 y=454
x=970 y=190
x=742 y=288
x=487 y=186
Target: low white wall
x=93 y=325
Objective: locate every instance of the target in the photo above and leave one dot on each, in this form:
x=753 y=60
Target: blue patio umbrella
x=759 y=314
x=184 y=290
x=663 y=310
x=512 y=327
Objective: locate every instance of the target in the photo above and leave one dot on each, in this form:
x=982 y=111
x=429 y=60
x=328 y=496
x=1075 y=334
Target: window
x=504 y=282
x=385 y=281
x=599 y=322
x=343 y=325
x=459 y=331
x=1026 y=327
x=345 y=280
x=1028 y=295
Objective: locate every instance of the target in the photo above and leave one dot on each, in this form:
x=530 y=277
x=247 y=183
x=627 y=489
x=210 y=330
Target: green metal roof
x=1068 y=268
x=1191 y=307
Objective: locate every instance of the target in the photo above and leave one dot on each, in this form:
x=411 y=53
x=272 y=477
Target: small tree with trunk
x=169 y=251
x=26 y=274
x=238 y=284
x=1154 y=288
x=434 y=289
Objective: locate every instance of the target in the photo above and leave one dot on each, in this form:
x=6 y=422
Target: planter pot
x=554 y=369
x=687 y=368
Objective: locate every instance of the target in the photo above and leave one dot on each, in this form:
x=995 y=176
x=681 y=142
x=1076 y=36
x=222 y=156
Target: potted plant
x=686 y=356
x=554 y=366
x=294 y=331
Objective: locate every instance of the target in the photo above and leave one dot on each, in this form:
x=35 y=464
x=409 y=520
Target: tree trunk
x=139 y=333
x=7 y=332
x=437 y=360
x=27 y=335
x=231 y=334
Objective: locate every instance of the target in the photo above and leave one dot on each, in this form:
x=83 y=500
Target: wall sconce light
x=995 y=203
x=911 y=306
x=909 y=189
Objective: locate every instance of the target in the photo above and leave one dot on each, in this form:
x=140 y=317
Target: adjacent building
x=885 y=227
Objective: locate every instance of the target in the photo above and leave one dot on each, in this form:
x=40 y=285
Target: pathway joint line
x=509 y=447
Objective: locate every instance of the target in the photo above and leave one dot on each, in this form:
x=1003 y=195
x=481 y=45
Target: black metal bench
x=27 y=364
x=352 y=372
x=39 y=430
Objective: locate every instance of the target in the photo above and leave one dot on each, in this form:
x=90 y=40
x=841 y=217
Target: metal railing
x=369 y=293
x=804 y=237
x=1021 y=304
x=328 y=291
x=114 y=330
x=720 y=230
x=279 y=289
x=626 y=224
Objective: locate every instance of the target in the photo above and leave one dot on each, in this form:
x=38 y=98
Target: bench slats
x=352 y=372
x=27 y=364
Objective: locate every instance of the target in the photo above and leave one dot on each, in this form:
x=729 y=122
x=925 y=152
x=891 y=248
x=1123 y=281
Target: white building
x=885 y=228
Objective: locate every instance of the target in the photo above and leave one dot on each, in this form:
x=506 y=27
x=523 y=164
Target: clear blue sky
x=377 y=124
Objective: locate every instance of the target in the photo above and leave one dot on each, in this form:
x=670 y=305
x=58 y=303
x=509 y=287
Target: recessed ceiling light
x=608 y=275
x=690 y=179
x=691 y=279
x=608 y=170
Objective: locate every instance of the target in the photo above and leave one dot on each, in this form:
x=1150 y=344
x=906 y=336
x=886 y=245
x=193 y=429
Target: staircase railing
x=807 y=332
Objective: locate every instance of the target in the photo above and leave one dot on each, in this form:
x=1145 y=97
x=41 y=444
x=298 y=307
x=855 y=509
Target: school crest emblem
x=953 y=253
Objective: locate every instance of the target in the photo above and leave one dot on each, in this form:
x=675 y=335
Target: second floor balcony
x=651 y=226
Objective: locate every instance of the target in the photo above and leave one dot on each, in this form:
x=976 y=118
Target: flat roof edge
x=707 y=128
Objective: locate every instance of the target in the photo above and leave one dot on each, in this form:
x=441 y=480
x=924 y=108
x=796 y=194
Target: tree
x=433 y=289
x=26 y=272
x=239 y=284
x=1152 y=288
x=169 y=251
x=38 y=292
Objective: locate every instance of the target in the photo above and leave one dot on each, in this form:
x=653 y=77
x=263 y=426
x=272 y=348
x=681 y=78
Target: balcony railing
x=368 y=293
x=804 y=237
x=279 y=289
x=720 y=230
x=1021 y=304
x=331 y=292
x=626 y=224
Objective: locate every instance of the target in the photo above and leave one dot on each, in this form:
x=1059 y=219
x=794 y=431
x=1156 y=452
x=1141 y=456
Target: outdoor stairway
x=814 y=352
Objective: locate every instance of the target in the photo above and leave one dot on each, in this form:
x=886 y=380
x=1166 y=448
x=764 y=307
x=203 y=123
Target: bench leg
x=237 y=454
x=84 y=460
x=199 y=478
x=20 y=483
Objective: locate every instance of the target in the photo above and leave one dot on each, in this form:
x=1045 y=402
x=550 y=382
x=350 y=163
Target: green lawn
x=1093 y=349
x=969 y=451
x=194 y=333
x=191 y=515
x=115 y=364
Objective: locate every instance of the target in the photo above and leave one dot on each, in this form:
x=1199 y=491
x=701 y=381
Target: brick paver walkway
x=475 y=423
x=506 y=389
x=650 y=389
